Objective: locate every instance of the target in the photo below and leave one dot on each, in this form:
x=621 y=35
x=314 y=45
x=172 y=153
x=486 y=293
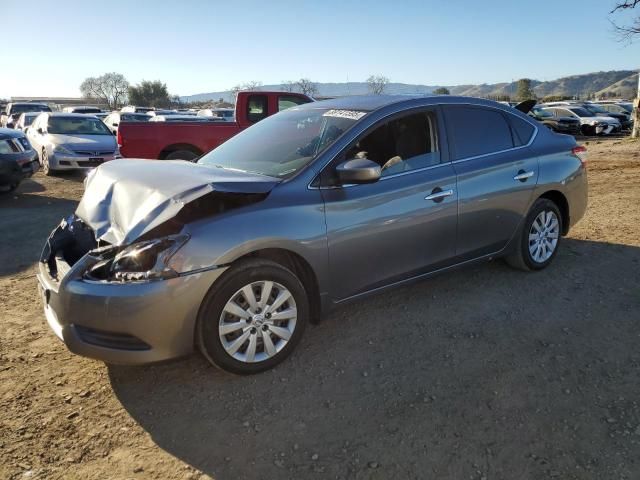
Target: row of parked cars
x=585 y=118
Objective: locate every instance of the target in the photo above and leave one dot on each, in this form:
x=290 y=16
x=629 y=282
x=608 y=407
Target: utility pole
x=636 y=112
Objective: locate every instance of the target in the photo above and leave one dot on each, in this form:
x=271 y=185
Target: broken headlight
x=146 y=260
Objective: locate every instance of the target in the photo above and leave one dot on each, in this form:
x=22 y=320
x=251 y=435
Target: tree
x=442 y=91
x=629 y=31
x=110 y=89
x=289 y=85
x=252 y=85
x=377 y=84
x=150 y=94
x=307 y=87
x=525 y=92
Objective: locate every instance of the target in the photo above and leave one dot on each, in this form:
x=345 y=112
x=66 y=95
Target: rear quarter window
x=476 y=131
x=522 y=130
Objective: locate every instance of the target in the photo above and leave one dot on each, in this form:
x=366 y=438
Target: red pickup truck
x=188 y=140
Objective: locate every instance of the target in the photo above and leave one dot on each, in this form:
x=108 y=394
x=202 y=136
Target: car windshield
x=582 y=112
x=77 y=126
x=539 y=112
x=282 y=144
x=596 y=109
x=29 y=108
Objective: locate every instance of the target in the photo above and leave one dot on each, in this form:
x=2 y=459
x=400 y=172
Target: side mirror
x=114 y=124
x=358 y=170
x=40 y=131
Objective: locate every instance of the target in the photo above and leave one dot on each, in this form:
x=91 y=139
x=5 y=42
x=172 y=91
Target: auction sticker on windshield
x=353 y=114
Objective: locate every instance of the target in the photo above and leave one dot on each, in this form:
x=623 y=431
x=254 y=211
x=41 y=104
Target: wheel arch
x=299 y=266
x=561 y=201
x=175 y=147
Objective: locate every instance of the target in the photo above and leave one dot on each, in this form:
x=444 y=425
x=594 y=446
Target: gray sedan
x=313 y=207
x=71 y=141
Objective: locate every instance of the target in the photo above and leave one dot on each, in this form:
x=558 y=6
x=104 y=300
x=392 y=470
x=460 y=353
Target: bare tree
x=110 y=89
x=377 y=84
x=307 y=87
x=626 y=32
x=629 y=33
x=289 y=85
x=252 y=85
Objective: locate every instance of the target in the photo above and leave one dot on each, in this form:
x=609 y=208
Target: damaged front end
x=130 y=220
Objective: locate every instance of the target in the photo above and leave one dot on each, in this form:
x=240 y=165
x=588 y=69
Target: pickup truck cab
x=188 y=140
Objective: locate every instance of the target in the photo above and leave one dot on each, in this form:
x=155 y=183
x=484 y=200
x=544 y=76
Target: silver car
x=71 y=141
x=316 y=206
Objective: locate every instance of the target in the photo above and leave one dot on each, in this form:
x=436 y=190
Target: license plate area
x=94 y=161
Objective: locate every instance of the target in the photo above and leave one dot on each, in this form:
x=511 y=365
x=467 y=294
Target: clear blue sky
x=207 y=45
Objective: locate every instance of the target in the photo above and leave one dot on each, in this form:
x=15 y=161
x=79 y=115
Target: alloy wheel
x=543 y=236
x=257 y=321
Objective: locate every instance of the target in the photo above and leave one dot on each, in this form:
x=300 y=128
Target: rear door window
x=257 y=108
x=476 y=131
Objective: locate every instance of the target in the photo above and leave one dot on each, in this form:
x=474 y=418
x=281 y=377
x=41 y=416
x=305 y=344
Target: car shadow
x=27 y=216
x=481 y=371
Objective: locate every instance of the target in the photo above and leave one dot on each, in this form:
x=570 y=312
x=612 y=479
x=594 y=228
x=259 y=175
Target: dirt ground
x=484 y=373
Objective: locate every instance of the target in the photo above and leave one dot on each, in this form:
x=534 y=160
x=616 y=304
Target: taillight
x=119 y=139
x=581 y=153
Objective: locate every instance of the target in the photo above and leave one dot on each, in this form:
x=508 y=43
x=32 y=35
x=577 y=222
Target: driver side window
x=400 y=145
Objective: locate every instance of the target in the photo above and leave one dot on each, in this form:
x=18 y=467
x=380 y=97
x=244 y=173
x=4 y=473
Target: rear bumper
x=124 y=323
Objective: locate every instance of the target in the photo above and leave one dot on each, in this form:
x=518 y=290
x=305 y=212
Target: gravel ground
x=483 y=373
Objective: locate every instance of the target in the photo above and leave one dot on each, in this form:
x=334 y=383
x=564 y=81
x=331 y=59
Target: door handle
x=437 y=195
x=523 y=176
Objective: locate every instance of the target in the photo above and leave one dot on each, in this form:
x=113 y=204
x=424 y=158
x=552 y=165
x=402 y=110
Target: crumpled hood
x=126 y=198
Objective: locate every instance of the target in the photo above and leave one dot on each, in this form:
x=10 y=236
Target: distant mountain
x=576 y=85
x=625 y=88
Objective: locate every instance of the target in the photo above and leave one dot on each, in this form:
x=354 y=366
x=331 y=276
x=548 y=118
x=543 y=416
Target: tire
x=217 y=345
x=542 y=228
x=182 y=155
x=44 y=160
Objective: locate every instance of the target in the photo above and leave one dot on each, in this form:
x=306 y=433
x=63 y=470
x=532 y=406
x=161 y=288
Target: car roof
x=369 y=103
x=10 y=133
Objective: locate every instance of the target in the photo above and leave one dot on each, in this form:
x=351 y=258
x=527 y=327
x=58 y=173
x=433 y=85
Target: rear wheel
x=253 y=318
x=540 y=237
x=182 y=155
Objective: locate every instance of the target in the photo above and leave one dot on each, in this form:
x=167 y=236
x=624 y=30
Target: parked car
x=313 y=207
x=623 y=118
x=25 y=120
x=618 y=107
x=159 y=111
x=568 y=125
x=114 y=118
x=71 y=141
x=187 y=141
x=134 y=109
x=17 y=159
x=13 y=110
x=82 y=109
x=178 y=118
x=590 y=124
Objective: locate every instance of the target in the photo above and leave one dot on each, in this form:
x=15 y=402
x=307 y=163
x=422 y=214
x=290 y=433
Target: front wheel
x=253 y=318
x=44 y=159
x=540 y=237
x=182 y=155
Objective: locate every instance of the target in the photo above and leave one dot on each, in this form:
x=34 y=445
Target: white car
x=590 y=124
